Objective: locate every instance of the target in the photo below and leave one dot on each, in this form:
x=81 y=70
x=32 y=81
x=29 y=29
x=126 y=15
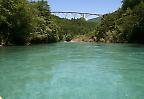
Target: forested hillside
x=124 y=25
x=70 y=28
x=23 y=22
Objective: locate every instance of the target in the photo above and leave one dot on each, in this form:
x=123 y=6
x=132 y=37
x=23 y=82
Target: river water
x=72 y=71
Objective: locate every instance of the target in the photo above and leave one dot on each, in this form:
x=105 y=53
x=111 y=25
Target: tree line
x=124 y=25
x=23 y=22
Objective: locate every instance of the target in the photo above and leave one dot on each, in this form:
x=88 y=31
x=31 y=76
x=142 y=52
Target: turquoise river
x=72 y=71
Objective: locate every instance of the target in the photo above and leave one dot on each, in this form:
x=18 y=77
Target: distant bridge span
x=77 y=14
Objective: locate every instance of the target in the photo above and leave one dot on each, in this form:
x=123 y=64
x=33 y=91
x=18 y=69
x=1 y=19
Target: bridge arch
x=76 y=14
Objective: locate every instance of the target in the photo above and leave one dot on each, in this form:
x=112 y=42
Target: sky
x=90 y=6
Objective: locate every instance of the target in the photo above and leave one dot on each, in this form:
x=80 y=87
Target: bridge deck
x=79 y=13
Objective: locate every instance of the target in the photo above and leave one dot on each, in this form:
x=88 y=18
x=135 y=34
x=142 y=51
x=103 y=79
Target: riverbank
x=84 y=38
x=77 y=38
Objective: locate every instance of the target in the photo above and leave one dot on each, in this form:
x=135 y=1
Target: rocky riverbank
x=83 y=38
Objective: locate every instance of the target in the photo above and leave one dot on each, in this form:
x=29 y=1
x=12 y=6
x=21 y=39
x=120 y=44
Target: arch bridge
x=76 y=14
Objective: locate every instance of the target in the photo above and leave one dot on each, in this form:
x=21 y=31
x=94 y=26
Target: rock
x=102 y=40
x=95 y=38
x=28 y=44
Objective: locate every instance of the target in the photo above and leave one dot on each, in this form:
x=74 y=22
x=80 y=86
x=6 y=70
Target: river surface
x=72 y=71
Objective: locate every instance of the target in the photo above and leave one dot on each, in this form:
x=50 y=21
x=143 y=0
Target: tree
x=15 y=21
x=125 y=24
x=45 y=28
x=130 y=3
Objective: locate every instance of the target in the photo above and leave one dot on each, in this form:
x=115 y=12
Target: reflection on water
x=72 y=71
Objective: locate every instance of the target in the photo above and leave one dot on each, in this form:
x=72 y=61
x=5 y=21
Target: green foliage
x=130 y=3
x=14 y=21
x=22 y=22
x=45 y=29
x=125 y=24
x=70 y=28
